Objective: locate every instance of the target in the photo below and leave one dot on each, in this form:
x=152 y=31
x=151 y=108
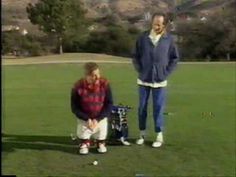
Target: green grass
x=37 y=122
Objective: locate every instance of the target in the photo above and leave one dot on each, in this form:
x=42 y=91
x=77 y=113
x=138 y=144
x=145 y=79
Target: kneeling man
x=91 y=102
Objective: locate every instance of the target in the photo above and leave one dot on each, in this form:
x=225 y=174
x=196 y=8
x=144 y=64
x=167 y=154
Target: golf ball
x=95 y=162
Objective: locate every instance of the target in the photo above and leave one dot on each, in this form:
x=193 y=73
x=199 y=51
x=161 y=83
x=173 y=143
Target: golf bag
x=118 y=125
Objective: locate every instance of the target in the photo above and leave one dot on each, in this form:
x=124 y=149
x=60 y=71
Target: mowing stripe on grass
x=6 y=63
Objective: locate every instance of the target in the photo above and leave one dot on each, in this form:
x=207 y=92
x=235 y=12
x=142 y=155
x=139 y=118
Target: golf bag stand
x=118 y=125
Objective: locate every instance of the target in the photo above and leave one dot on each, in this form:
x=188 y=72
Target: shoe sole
x=83 y=153
x=101 y=152
x=140 y=144
x=157 y=146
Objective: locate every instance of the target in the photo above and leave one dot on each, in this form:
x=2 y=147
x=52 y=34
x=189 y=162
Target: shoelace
x=86 y=143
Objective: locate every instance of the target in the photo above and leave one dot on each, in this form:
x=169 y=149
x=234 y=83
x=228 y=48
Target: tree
x=213 y=38
x=13 y=42
x=57 y=17
x=227 y=45
x=114 y=41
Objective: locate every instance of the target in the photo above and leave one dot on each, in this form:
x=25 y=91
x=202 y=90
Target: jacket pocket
x=159 y=73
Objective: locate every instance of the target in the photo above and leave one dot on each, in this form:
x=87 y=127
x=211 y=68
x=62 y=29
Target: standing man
x=154 y=59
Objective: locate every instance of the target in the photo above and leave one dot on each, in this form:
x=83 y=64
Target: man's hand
x=92 y=123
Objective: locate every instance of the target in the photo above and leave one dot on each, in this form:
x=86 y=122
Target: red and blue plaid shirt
x=91 y=100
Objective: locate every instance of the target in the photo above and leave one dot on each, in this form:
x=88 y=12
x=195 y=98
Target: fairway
x=199 y=136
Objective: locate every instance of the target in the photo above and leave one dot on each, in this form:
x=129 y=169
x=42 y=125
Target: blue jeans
x=158 y=97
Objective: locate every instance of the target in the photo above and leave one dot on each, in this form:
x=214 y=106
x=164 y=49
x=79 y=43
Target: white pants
x=99 y=133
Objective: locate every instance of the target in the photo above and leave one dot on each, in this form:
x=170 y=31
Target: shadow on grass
x=36 y=142
x=147 y=143
x=39 y=142
x=56 y=143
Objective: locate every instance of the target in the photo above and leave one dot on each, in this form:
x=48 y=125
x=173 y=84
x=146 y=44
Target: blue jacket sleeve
x=108 y=102
x=136 y=59
x=75 y=107
x=173 y=58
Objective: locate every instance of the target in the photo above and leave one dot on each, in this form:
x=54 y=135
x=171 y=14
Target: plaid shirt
x=91 y=100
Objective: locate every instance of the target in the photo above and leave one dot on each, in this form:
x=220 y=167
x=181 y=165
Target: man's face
x=158 y=24
x=94 y=75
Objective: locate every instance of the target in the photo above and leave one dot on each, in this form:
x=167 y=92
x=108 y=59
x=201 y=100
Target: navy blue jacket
x=155 y=63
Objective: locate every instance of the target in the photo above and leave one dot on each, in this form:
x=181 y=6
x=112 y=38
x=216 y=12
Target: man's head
x=92 y=71
x=159 y=22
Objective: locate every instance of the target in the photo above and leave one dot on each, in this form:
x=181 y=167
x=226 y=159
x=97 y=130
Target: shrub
x=15 y=43
x=115 y=40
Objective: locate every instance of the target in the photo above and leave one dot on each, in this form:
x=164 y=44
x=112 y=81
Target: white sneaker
x=159 y=140
x=84 y=148
x=156 y=144
x=124 y=142
x=102 y=148
x=140 y=141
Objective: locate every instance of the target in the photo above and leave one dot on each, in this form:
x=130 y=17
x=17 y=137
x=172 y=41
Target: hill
x=128 y=11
